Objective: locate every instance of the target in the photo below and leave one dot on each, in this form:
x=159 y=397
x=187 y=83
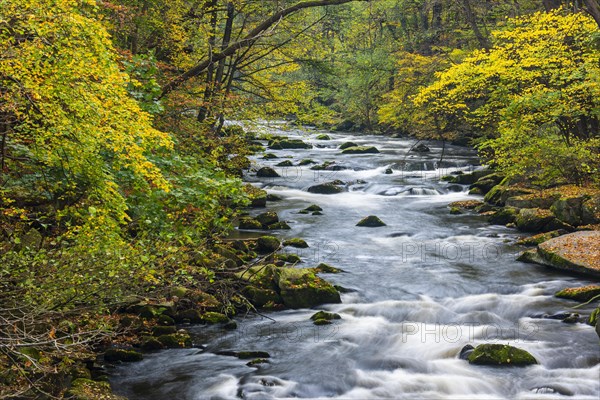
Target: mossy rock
x=150 y=343
x=306 y=161
x=231 y=325
x=323 y=166
x=228 y=253
x=260 y=297
x=249 y=224
x=541 y=237
x=281 y=225
x=273 y=197
x=267 y=244
x=214 y=318
x=323 y=137
x=455 y=211
x=324 y=315
x=326 y=188
x=122 y=355
x=327 y=269
x=163 y=330
x=313 y=208
x=178 y=340
x=500 y=194
x=499 y=354
x=576 y=252
x=361 y=150
x=569 y=210
x=535 y=200
x=189 y=315
x=317 y=213
x=257 y=197
x=247 y=355
x=257 y=361
x=503 y=216
x=467 y=179
x=348 y=145
x=285 y=144
x=590 y=212
x=467 y=205
x=87 y=389
x=270 y=156
x=286 y=163
x=267 y=218
x=301 y=288
x=581 y=294
x=267 y=172
x=296 y=242
x=290 y=258
x=538 y=220
x=371 y=221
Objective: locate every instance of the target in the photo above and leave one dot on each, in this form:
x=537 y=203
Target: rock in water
x=371 y=222
x=499 y=354
x=267 y=172
x=267 y=244
x=421 y=148
x=348 y=145
x=361 y=150
x=575 y=252
x=326 y=188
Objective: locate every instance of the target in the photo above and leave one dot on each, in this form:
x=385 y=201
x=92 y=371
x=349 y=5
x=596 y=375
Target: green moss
x=361 y=150
x=283 y=144
x=290 y=258
x=296 y=242
x=267 y=244
x=301 y=288
x=323 y=137
x=371 y=222
x=267 y=218
x=455 y=211
x=87 y=389
x=581 y=294
x=214 y=318
x=176 y=340
x=313 y=208
x=249 y=223
x=163 y=330
x=328 y=316
x=123 y=355
x=257 y=361
x=306 y=161
x=326 y=188
x=281 y=225
x=327 y=269
x=499 y=354
x=322 y=322
x=347 y=145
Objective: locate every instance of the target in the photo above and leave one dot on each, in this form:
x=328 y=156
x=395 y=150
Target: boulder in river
x=306 y=161
x=249 y=223
x=267 y=218
x=500 y=354
x=267 y=244
x=538 y=220
x=347 y=145
x=371 y=221
x=267 y=172
x=286 y=163
x=541 y=237
x=285 y=144
x=503 y=216
x=323 y=136
x=421 y=148
x=361 y=150
x=296 y=242
x=326 y=188
x=576 y=252
x=324 y=317
x=269 y=156
x=581 y=294
x=301 y=288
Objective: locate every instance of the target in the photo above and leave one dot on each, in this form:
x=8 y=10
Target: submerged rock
x=361 y=150
x=371 y=221
x=499 y=354
x=323 y=137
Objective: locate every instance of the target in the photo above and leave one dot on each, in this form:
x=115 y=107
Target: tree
x=534 y=96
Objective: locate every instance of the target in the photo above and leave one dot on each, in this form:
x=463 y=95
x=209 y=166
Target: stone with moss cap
x=87 y=389
x=267 y=172
x=500 y=354
x=576 y=252
x=582 y=294
x=361 y=150
x=326 y=188
x=122 y=355
x=371 y=221
x=267 y=218
x=267 y=244
x=284 y=144
x=296 y=242
x=347 y=145
x=301 y=288
x=323 y=136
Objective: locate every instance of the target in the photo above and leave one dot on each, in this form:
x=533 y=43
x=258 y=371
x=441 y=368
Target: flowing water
x=421 y=288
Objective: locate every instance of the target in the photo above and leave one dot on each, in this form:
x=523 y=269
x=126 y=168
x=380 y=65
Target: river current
x=420 y=289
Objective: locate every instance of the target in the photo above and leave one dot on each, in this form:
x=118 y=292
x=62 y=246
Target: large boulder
x=267 y=218
x=361 y=150
x=486 y=183
x=501 y=193
x=267 y=244
x=590 y=213
x=257 y=197
x=503 y=216
x=581 y=294
x=538 y=220
x=468 y=179
x=500 y=354
x=347 y=145
x=576 y=252
x=284 y=144
x=569 y=210
x=536 y=200
x=326 y=188
x=301 y=288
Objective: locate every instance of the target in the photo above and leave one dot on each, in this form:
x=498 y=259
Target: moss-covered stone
x=576 y=252
x=257 y=361
x=284 y=144
x=286 y=163
x=322 y=322
x=150 y=343
x=499 y=354
x=455 y=211
x=348 y=145
x=281 y=225
x=301 y=288
x=535 y=200
x=177 y=340
x=163 y=330
x=503 y=216
x=326 y=188
x=313 y=208
x=249 y=223
x=214 y=318
x=267 y=218
x=541 y=237
x=581 y=294
x=323 y=136
x=267 y=172
x=361 y=150
x=306 y=161
x=261 y=297
x=501 y=193
x=269 y=156
x=327 y=269
x=569 y=210
x=122 y=355
x=487 y=183
x=289 y=258
x=247 y=355
x=371 y=221
x=538 y=220
x=467 y=204
x=87 y=389
x=317 y=213
x=296 y=242
x=257 y=197
x=324 y=315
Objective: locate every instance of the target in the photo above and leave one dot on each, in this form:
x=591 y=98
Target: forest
x=127 y=128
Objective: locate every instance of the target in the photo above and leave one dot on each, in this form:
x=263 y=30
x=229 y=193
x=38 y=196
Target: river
x=421 y=288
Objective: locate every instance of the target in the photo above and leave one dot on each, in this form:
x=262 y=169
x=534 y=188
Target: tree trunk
x=472 y=20
x=593 y=8
x=247 y=41
x=550 y=5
